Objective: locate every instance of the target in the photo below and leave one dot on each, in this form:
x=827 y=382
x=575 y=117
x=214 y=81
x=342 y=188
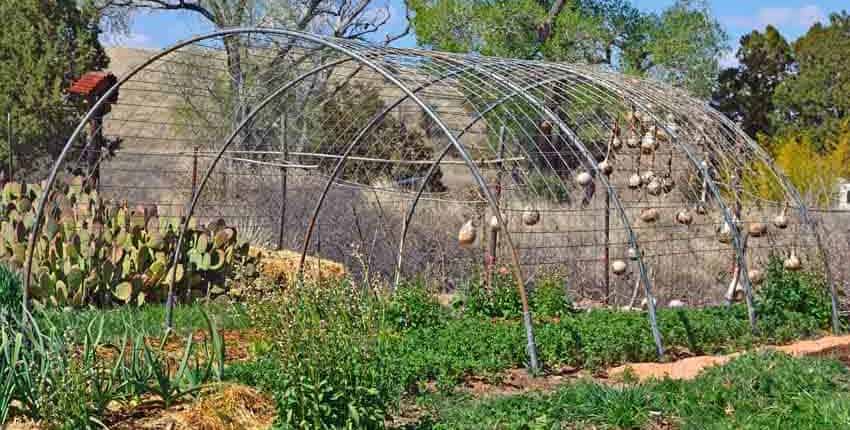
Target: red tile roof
x=93 y=83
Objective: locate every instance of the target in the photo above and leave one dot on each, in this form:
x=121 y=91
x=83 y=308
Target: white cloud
x=804 y=16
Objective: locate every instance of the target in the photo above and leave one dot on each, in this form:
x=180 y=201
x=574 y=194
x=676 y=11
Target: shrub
x=413 y=306
x=791 y=303
x=501 y=299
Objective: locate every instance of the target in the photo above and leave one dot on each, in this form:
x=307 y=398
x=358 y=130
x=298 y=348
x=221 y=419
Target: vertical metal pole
x=607 y=256
x=11 y=148
x=194 y=170
x=285 y=150
x=490 y=258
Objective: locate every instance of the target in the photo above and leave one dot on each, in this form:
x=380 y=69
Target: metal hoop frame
x=498 y=73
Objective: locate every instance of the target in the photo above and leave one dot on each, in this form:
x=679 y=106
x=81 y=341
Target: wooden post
x=283 y=174
x=490 y=258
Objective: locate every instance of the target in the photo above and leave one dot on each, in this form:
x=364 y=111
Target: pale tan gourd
x=793 y=262
x=649 y=215
x=466 y=235
x=684 y=217
x=530 y=216
x=618 y=267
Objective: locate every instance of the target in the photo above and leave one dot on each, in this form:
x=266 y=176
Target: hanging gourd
x=647 y=177
x=618 y=267
x=676 y=304
x=792 y=262
x=654 y=187
x=494 y=223
x=668 y=184
x=684 y=217
x=649 y=143
x=634 y=181
x=616 y=143
x=781 y=220
x=724 y=232
x=757 y=229
x=649 y=215
x=530 y=216
x=584 y=178
x=632 y=253
x=466 y=235
x=605 y=165
x=756 y=276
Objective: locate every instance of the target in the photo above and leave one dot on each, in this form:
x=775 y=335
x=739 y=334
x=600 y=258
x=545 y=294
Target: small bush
x=413 y=306
x=547 y=298
x=789 y=304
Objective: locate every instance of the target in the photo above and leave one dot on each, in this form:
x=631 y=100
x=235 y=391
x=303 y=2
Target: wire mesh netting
x=376 y=157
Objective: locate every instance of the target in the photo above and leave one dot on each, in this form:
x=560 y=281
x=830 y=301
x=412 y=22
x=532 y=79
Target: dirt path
x=688 y=368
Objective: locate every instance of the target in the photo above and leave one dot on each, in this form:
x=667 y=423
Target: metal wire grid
x=407 y=145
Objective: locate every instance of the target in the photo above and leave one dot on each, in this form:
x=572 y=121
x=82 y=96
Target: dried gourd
x=466 y=235
x=792 y=262
x=756 y=276
x=781 y=220
x=654 y=187
x=584 y=178
x=618 y=267
x=605 y=167
x=684 y=217
x=634 y=181
x=494 y=223
x=530 y=216
x=632 y=253
x=649 y=215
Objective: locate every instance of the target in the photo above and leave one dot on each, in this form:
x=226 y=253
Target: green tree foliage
x=817 y=96
x=44 y=45
x=389 y=139
x=680 y=45
x=745 y=92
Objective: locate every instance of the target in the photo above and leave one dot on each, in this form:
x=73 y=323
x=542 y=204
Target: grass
x=754 y=391
x=149 y=319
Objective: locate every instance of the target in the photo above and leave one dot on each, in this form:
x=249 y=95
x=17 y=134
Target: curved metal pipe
x=346 y=154
x=54 y=171
x=737 y=239
x=175 y=260
x=802 y=208
x=591 y=161
x=433 y=169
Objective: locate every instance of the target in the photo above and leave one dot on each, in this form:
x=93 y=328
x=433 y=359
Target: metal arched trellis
x=389 y=151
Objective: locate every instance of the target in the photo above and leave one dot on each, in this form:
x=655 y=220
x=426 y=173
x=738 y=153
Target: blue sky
x=738 y=17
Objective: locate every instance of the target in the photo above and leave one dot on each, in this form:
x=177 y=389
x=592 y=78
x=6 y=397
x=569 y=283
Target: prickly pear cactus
x=93 y=252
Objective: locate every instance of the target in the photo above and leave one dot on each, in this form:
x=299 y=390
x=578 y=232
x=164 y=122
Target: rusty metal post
x=285 y=150
x=606 y=259
x=11 y=148
x=194 y=170
x=490 y=257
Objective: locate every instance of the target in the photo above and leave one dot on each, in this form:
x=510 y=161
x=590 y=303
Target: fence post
x=194 y=171
x=283 y=175
x=490 y=258
x=606 y=258
x=11 y=148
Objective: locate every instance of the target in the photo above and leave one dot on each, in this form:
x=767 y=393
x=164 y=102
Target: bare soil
x=837 y=347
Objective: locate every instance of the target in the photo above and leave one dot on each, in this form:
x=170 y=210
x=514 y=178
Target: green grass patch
x=149 y=318
x=755 y=391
